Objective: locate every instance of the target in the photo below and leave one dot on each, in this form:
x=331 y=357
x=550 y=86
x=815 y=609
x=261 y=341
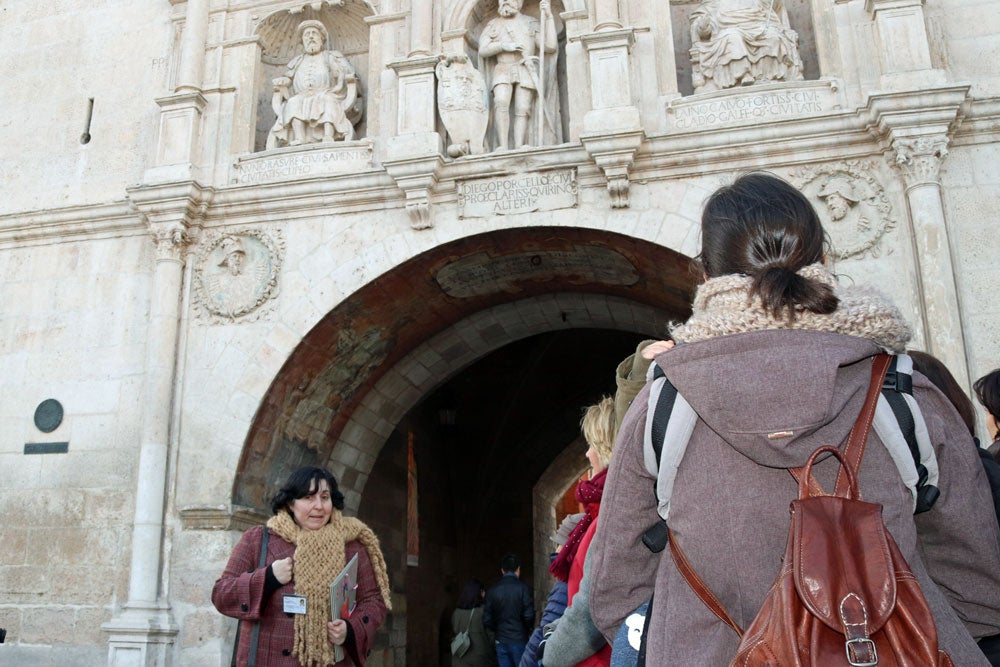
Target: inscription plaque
x=517 y=193
x=297 y=162
x=481 y=274
x=753 y=105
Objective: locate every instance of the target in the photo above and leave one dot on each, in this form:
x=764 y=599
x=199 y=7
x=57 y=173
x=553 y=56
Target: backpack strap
x=699 y=587
x=907 y=427
x=669 y=424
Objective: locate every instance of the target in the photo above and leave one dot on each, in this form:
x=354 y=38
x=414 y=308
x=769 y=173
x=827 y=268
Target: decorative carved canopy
x=344 y=21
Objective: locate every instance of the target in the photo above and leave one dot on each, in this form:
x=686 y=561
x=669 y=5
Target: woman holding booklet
x=277 y=581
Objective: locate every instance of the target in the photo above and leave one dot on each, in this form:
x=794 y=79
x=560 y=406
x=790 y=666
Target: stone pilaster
x=142 y=632
x=181 y=112
x=612 y=128
x=918 y=138
x=904 y=50
x=413 y=157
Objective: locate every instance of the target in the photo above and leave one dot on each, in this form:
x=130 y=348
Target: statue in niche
x=461 y=92
x=520 y=54
x=317 y=100
x=742 y=42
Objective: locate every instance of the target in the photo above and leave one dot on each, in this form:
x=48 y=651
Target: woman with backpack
x=776 y=361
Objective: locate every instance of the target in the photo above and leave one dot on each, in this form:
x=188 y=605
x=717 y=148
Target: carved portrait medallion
x=851 y=204
x=237 y=272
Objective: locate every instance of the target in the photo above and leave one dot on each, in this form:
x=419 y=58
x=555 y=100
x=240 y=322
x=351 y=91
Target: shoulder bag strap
x=255 y=633
x=469 y=624
x=697 y=585
x=858 y=439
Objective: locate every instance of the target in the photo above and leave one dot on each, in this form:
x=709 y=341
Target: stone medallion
x=237 y=273
x=851 y=204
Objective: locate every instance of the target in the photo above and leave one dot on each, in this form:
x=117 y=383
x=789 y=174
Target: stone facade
x=212 y=308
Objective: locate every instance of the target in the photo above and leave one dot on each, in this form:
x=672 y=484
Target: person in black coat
x=509 y=612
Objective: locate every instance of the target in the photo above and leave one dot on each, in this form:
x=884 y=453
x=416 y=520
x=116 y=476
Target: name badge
x=295 y=604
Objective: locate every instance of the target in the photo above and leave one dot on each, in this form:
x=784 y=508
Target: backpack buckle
x=861 y=652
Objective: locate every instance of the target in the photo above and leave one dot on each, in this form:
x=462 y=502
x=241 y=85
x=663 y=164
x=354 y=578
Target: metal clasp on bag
x=851 y=652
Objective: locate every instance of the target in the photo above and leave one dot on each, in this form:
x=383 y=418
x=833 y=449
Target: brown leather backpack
x=845 y=595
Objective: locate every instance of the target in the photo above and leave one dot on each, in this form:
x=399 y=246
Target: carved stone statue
x=318 y=97
x=742 y=42
x=840 y=195
x=461 y=93
x=513 y=45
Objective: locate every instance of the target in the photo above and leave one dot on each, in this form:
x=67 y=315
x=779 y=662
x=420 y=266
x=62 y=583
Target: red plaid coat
x=239 y=593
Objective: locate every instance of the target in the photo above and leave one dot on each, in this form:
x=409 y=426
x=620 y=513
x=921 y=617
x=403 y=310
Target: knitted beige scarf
x=319 y=557
x=724 y=306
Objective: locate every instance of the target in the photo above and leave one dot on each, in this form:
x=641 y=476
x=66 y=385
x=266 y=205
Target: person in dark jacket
x=988 y=392
x=555 y=606
x=468 y=618
x=509 y=611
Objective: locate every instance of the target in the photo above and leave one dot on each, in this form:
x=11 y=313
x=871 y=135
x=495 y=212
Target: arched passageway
x=460 y=377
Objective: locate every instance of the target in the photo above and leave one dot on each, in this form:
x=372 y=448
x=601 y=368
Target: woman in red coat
x=309 y=543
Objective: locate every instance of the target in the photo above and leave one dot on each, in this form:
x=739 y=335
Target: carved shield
x=461 y=94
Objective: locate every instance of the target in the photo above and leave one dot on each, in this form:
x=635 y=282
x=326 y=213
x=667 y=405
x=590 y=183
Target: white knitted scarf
x=724 y=306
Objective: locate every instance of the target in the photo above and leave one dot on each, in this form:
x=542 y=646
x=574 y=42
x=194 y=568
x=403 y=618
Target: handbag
x=461 y=643
x=255 y=633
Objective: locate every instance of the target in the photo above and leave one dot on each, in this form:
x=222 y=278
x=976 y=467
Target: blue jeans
x=509 y=655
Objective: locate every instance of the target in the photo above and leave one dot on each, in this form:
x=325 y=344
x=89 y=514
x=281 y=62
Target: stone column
x=142 y=634
x=192 y=56
x=421 y=27
x=606 y=15
x=919 y=157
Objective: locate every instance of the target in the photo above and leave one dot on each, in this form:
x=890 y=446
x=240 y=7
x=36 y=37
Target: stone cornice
x=221 y=517
x=70 y=223
x=866 y=131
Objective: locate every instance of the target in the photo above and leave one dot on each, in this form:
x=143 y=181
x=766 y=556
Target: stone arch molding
x=440 y=358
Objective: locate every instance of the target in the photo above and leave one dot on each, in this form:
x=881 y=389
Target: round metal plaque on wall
x=48 y=415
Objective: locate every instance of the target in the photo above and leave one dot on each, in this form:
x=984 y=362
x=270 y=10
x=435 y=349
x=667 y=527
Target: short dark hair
x=301 y=483
x=939 y=375
x=762 y=227
x=472 y=595
x=510 y=563
x=988 y=392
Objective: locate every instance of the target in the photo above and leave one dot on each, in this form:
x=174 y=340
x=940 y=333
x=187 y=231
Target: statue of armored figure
x=742 y=42
x=318 y=99
x=520 y=56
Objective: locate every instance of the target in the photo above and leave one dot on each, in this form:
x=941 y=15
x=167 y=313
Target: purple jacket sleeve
x=239 y=592
x=370 y=611
x=623 y=569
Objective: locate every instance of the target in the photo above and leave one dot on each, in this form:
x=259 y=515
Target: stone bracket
x=417 y=178
x=614 y=154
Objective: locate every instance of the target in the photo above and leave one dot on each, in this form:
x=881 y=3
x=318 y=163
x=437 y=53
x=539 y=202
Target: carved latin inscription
x=292 y=164
x=760 y=103
x=520 y=193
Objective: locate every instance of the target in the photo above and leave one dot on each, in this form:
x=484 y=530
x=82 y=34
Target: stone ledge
x=221 y=518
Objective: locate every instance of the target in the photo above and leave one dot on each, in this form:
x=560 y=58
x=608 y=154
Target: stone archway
x=356 y=382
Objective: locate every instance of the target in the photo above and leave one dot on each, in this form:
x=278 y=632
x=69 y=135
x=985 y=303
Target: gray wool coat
x=730 y=504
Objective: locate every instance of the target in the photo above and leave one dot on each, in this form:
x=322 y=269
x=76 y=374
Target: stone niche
x=280 y=42
x=462 y=35
x=799 y=18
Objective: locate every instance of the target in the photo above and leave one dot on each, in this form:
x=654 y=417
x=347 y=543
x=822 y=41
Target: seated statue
x=742 y=42
x=317 y=99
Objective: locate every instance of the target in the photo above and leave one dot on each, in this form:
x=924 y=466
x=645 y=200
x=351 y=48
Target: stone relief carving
x=920 y=157
x=519 y=55
x=461 y=93
x=742 y=42
x=853 y=207
x=237 y=273
x=319 y=98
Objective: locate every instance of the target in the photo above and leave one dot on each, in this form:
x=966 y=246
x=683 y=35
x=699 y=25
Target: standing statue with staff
x=515 y=47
